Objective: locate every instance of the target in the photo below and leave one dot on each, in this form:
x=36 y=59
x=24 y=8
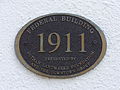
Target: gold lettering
x=68 y=43
x=41 y=43
x=82 y=43
x=63 y=18
x=57 y=44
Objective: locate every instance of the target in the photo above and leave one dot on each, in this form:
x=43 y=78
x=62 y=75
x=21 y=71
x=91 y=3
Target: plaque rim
x=21 y=59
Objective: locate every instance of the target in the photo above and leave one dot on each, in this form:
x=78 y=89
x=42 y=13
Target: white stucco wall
x=15 y=13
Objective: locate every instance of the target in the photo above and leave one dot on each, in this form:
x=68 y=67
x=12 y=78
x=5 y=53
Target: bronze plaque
x=60 y=45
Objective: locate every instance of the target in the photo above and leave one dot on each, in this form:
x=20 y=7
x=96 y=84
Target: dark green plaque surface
x=60 y=45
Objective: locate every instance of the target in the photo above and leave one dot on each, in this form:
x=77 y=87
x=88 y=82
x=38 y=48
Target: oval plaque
x=60 y=45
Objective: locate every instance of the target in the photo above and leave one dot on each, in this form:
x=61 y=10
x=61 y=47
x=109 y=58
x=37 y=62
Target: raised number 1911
x=57 y=43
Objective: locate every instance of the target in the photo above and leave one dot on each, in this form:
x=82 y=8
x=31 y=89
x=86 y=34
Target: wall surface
x=15 y=13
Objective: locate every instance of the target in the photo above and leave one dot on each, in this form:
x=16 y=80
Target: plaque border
x=19 y=56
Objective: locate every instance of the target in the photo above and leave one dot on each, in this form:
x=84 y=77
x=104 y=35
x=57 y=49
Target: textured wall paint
x=15 y=13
